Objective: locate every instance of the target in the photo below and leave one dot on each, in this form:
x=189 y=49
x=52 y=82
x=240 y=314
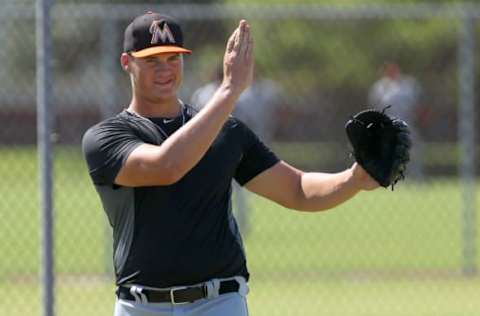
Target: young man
x=163 y=172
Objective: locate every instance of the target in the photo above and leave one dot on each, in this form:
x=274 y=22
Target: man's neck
x=164 y=108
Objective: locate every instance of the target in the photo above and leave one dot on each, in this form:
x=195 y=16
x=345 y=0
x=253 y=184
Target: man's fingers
x=244 y=38
x=231 y=41
x=240 y=36
x=249 y=51
x=245 y=41
x=238 y=60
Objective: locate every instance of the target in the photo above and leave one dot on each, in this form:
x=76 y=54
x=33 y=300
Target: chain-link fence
x=407 y=252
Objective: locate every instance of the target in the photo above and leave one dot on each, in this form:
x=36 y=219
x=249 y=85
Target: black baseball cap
x=152 y=34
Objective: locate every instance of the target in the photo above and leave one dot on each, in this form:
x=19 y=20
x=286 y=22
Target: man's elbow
x=171 y=174
x=169 y=178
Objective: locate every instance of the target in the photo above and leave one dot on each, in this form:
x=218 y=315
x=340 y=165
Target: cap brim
x=160 y=50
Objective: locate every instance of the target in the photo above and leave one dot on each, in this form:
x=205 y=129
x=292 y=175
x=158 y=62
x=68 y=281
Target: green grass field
x=383 y=253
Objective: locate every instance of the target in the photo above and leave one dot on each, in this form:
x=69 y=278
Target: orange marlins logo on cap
x=159 y=33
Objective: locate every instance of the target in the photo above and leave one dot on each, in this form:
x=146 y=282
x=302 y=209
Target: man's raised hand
x=238 y=62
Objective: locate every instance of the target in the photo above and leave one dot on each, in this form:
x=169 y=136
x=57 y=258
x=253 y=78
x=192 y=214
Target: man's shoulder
x=116 y=120
x=233 y=122
x=114 y=123
x=236 y=126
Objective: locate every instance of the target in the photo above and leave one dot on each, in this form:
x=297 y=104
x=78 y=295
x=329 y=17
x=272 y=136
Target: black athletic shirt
x=176 y=234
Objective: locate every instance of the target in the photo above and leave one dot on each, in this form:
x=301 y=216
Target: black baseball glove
x=381 y=145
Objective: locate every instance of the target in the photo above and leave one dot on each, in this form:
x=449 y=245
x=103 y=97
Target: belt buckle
x=172 y=294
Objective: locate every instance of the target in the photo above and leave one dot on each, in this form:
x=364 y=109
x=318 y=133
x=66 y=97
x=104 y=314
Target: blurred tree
x=333 y=62
x=330 y=62
x=156 y=2
x=330 y=54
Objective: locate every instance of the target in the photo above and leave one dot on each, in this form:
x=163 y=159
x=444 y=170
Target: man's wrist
x=353 y=180
x=360 y=179
x=229 y=91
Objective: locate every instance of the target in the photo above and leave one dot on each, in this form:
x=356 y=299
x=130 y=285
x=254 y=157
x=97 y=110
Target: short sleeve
x=256 y=157
x=106 y=147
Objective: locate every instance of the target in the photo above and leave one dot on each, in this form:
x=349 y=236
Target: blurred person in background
x=256 y=107
x=404 y=94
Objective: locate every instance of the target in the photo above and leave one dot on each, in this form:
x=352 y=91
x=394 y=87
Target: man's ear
x=125 y=61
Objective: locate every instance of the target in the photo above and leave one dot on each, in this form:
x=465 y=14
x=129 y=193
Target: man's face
x=157 y=77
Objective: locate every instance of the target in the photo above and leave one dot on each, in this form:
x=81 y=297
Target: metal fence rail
x=264 y=11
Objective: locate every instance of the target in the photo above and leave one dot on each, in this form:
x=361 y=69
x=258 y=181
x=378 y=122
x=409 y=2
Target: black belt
x=175 y=295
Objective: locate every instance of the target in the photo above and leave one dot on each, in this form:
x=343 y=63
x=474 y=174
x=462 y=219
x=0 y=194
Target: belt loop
x=243 y=286
x=213 y=287
x=133 y=291
x=140 y=297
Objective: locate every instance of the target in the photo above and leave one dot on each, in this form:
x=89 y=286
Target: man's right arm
x=167 y=163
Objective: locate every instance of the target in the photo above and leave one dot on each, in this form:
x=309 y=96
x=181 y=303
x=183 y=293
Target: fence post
x=110 y=60
x=466 y=134
x=44 y=118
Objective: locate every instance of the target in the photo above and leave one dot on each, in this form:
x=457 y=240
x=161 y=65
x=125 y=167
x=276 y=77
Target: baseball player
x=163 y=172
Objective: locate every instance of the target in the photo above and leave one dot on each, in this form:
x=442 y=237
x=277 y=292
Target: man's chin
x=164 y=96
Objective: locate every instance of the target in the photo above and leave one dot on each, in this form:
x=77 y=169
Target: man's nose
x=161 y=65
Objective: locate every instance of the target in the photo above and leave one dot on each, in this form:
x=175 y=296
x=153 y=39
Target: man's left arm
x=310 y=191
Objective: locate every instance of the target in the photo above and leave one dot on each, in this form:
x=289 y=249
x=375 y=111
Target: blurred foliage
x=324 y=52
x=339 y=2
x=337 y=57
x=156 y=2
x=324 y=66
